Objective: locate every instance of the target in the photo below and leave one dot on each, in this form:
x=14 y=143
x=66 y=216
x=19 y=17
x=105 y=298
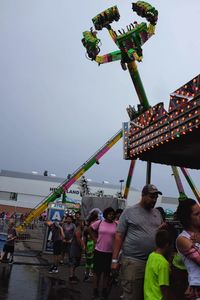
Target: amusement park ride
x=152 y=134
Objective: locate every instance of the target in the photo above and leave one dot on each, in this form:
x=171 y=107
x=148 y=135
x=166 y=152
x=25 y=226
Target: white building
x=20 y=192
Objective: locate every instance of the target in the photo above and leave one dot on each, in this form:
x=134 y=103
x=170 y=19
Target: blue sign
x=56 y=214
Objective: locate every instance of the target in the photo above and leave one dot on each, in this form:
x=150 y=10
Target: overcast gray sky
x=58 y=108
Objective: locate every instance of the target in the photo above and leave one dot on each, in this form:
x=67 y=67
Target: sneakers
x=73 y=279
x=53 y=270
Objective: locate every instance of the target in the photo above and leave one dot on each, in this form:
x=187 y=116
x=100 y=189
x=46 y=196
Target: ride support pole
x=182 y=195
x=191 y=184
x=135 y=76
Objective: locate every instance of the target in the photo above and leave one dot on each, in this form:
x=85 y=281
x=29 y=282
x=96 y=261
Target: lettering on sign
x=77 y=192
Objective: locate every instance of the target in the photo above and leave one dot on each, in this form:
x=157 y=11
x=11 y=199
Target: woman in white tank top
x=188 y=244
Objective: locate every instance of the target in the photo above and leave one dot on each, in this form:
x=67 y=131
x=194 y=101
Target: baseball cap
x=150 y=189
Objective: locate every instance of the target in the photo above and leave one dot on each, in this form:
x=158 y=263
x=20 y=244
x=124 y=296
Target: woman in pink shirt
x=103 y=233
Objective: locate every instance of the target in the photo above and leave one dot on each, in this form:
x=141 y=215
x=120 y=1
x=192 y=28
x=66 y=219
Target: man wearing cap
x=135 y=236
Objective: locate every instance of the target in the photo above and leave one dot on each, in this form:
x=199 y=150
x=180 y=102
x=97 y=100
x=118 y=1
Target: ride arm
x=142 y=31
x=182 y=195
x=191 y=183
x=38 y=210
x=129 y=43
x=74 y=177
x=147 y=11
x=113 y=56
x=91 y=42
x=103 y=20
x=129 y=178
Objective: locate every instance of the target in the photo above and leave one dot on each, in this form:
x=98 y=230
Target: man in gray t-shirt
x=135 y=236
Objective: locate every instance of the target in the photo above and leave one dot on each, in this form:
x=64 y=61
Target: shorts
x=66 y=247
x=102 y=262
x=57 y=247
x=8 y=248
x=132 y=278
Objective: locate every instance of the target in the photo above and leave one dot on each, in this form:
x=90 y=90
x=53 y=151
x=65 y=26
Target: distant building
x=20 y=192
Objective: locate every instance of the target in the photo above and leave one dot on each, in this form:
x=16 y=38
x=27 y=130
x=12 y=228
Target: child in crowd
x=89 y=246
x=157 y=272
x=89 y=257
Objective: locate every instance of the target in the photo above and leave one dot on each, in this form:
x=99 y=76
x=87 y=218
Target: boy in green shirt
x=156 y=280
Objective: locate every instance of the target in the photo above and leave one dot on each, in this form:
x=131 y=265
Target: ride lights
x=179 y=122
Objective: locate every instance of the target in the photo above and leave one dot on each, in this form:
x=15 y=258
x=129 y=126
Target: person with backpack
x=103 y=234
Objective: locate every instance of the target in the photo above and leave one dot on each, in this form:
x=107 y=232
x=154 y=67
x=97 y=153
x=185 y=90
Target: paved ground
x=29 y=252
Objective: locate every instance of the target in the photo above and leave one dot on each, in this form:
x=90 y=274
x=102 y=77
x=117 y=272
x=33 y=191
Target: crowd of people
x=6 y=216
x=137 y=246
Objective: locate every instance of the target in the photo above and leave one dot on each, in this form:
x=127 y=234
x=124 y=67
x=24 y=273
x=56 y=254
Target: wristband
x=114 y=261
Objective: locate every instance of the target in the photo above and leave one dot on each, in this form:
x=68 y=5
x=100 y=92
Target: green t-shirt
x=156 y=275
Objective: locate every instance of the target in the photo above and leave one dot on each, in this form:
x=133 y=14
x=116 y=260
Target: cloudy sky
x=58 y=108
